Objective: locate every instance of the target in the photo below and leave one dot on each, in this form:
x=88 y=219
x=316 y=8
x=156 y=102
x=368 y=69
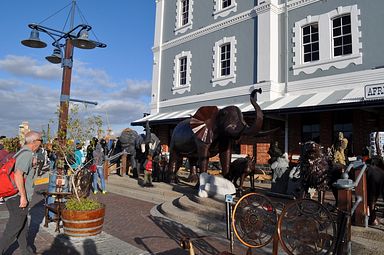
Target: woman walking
x=98 y=160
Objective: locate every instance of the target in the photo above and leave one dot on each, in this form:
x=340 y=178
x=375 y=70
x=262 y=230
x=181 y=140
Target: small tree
x=81 y=129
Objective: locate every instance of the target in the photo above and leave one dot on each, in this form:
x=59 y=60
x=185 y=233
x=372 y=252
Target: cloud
x=28 y=67
x=27 y=96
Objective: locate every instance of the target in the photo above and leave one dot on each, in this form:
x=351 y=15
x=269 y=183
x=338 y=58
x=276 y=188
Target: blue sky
x=118 y=77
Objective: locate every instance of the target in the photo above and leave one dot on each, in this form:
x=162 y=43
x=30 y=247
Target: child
x=148 y=172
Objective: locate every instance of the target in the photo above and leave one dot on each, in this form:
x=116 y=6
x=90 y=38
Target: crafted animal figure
x=279 y=166
x=138 y=147
x=210 y=131
x=215 y=186
x=316 y=170
x=375 y=185
x=240 y=169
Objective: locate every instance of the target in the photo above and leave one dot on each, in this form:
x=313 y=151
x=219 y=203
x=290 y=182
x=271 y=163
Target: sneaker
x=104 y=192
x=95 y=192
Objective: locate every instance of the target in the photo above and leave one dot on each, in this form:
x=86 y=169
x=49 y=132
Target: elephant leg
x=133 y=166
x=202 y=150
x=225 y=159
x=193 y=170
x=173 y=166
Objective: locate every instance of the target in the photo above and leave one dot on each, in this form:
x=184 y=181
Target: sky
x=117 y=77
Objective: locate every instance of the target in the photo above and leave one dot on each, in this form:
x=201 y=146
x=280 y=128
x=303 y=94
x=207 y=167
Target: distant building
x=23 y=129
x=319 y=64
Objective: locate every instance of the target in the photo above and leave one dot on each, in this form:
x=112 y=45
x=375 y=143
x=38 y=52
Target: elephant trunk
x=258 y=123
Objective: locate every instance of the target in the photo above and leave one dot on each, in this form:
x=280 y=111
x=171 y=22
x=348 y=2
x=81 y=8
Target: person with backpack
x=17 y=205
x=98 y=160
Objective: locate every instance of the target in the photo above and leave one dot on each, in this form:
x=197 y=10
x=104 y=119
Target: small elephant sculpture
x=211 y=131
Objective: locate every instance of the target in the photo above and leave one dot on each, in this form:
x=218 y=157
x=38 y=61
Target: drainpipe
x=286 y=73
x=286 y=47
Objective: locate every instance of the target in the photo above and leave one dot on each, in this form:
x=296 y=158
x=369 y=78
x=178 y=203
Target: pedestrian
x=98 y=160
x=17 y=205
x=148 y=172
x=78 y=155
x=89 y=154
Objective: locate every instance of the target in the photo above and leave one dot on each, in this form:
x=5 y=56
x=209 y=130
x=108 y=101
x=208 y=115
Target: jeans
x=99 y=173
x=16 y=228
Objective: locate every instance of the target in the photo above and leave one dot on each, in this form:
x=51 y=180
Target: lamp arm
x=57 y=33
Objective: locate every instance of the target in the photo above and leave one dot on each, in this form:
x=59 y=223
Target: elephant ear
x=202 y=123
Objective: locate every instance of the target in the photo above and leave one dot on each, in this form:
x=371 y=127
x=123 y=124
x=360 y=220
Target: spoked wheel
x=306 y=227
x=254 y=220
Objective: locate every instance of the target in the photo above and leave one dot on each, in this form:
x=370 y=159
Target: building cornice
x=249 y=14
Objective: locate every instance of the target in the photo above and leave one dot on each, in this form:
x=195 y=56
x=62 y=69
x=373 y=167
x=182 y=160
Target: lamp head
x=55 y=58
x=34 y=40
x=82 y=41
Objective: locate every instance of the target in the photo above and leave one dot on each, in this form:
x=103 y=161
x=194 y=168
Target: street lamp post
x=76 y=37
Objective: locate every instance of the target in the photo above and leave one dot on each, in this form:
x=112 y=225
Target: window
x=311 y=42
x=342 y=122
x=223 y=8
x=310 y=128
x=225 y=4
x=184 y=12
x=182 y=72
x=184 y=16
x=225 y=59
x=342 y=36
x=328 y=40
x=224 y=63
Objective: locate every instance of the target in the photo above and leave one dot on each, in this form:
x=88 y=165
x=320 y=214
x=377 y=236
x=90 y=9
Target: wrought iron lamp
x=77 y=36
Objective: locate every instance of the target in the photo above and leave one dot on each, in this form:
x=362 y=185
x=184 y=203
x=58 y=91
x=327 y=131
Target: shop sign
x=373 y=91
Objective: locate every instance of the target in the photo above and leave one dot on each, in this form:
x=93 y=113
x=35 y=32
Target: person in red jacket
x=148 y=172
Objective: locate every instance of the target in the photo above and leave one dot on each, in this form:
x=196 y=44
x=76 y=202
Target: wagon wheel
x=254 y=220
x=306 y=227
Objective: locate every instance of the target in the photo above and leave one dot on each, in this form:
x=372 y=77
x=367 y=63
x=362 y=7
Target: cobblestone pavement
x=129 y=228
x=132 y=227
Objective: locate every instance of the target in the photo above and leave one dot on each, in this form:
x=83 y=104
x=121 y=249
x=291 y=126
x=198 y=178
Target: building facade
x=318 y=62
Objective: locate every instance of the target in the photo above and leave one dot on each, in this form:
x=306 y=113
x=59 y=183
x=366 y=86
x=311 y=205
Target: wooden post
x=106 y=169
x=361 y=213
x=345 y=204
x=123 y=165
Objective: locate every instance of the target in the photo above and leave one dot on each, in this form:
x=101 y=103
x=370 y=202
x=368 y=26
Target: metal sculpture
x=306 y=227
x=254 y=220
x=210 y=131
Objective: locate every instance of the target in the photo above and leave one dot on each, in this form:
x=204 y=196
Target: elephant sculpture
x=138 y=146
x=375 y=185
x=210 y=131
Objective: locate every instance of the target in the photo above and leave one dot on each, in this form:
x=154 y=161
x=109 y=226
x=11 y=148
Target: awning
x=288 y=103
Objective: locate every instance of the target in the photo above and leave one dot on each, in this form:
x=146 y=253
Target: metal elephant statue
x=138 y=146
x=210 y=131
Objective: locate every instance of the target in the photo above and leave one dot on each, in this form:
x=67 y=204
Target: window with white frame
x=224 y=61
x=311 y=42
x=342 y=35
x=224 y=7
x=338 y=41
x=184 y=15
x=182 y=72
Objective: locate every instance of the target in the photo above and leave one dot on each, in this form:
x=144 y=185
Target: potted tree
x=81 y=215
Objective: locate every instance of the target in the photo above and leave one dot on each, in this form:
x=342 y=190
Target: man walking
x=17 y=205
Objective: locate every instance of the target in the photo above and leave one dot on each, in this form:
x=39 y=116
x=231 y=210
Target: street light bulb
x=34 y=40
x=82 y=41
x=55 y=58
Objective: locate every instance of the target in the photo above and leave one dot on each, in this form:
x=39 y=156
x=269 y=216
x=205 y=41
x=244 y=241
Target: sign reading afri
x=373 y=91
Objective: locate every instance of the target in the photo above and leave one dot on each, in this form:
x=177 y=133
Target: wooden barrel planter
x=83 y=223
